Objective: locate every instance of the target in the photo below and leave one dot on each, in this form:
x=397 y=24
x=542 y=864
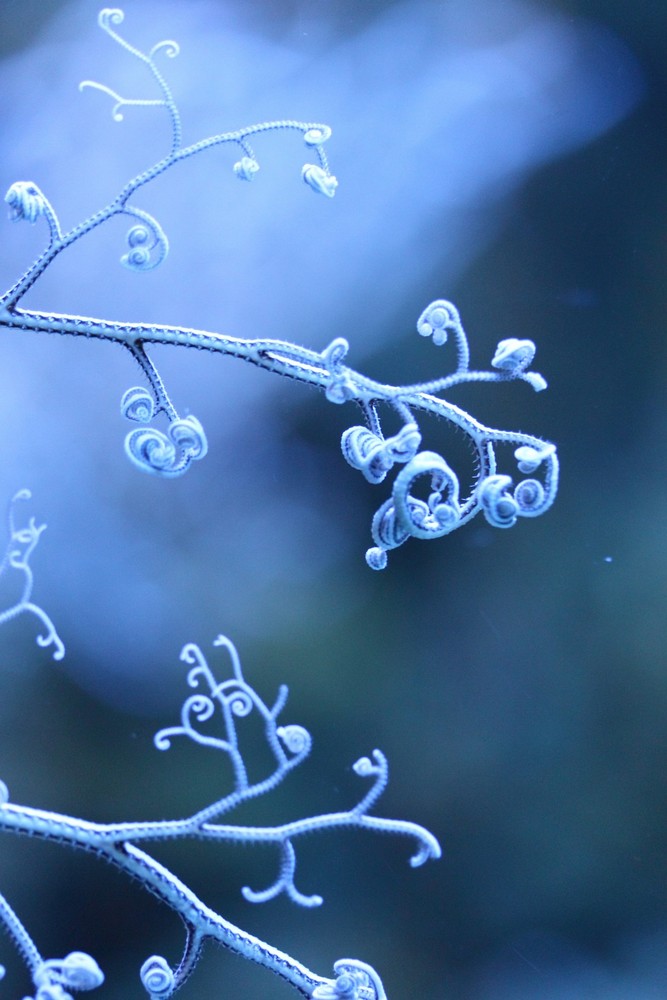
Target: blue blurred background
x=507 y=156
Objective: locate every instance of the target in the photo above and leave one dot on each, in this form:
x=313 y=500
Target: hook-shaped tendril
x=284 y=883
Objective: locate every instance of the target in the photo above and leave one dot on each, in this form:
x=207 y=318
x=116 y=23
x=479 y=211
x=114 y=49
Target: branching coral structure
x=224 y=701
x=220 y=698
x=20 y=546
x=403 y=514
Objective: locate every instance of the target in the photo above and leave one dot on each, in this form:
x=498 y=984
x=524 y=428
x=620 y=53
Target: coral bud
x=137 y=404
x=500 y=508
x=188 y=434
x=376 y=558
x=316 y=135
x=529 y=458
x=157 y=976
x=80 y=971
x=513 y=355
x=319 y=180
x=297 y=739
x=437 y=320
x=246 y=168
x=25 y=201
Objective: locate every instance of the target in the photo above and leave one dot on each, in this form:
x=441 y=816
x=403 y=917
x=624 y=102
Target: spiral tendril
x=500 y=508
x=297 y=739
x=170 y=48
x=137 y=404
x=166 y=454
x=316 y=135
x=319 y=180
x=530 y=496
x=157 y=977
x=513 y=355
x=375 y=455
x=25 y=201
x=246 y=168
x=78 y=971
x=351 y=977
x=147 y=242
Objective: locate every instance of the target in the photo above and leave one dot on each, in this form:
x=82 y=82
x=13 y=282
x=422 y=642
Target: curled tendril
x=388 y=530
x=404 y=515
x=137 y=404
x=121 y=102
x=110 y=15
x=157 y=976
x=78 y=971
x=167 y=454
x=316 y=135
x=199 y=705
x=201 y=708
x=530 y=495
x=365 y=767
x=170 y=48
x=296 y=739
x=513 y=355
x=188 y=435
x=284 y=883
x=240 y=702
x=376 y=557
x=147 y=242
x=25 y=201
x=500 y=508
x=529 y=458
x=246 y=168
x=438 y=320
x=351 y=977
x=335 y=353
x=319 y=180
x=441 y=514
x=340 y=387
x=152 y=451
x=375 y=455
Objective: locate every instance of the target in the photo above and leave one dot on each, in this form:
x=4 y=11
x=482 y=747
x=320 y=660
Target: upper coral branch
x=405 y=514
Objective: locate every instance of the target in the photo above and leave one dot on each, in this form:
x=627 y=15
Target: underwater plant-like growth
x=223 y=700
x=169 y=453
x=402 y=515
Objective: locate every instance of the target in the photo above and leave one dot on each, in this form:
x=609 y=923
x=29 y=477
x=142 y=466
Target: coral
x=402 y=515
x=210 y=716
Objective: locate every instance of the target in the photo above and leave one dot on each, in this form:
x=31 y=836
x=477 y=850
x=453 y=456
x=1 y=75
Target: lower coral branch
x=232 y=699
